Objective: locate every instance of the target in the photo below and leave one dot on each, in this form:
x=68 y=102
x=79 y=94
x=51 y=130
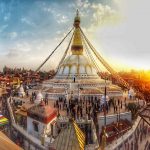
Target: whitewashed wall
x=41 y=127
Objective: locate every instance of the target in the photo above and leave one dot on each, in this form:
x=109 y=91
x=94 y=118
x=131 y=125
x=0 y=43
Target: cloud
x=120 y=32
x=13 y=53
x=100 y=16
x=48 y=9
x=12 y=35
x=104 y=14
x=19 y=50
x=3 y=27
x=58 y=32
x=6 y=16
x=82 y=4
x=31 y=54
x=27 y=21
x=60 y=18
x=128 y=41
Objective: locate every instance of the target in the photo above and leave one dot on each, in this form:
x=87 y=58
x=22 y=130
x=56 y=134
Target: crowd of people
x=79 y=108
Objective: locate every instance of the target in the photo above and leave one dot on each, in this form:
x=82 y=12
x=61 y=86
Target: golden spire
x=77 y=20
x=77 y=47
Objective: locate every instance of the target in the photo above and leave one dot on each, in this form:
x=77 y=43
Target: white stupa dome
x=76 y=65
x=39 y=98
x=21 y=91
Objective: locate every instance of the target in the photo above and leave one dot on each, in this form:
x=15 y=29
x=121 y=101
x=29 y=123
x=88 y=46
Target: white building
x=40 y=119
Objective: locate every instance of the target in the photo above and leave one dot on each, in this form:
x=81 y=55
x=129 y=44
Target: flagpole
x=78 y=92
x=105 y=104
x=104 y=129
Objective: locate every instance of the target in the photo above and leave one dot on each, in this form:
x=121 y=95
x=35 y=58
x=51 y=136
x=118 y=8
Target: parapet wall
x=113 y=118
x=132 y=139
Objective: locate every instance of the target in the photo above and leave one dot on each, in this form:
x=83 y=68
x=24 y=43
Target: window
x=81 y=126
x=35 y=126
x=62 y=125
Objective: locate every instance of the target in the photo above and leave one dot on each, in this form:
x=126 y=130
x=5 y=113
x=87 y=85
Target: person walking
x=114 y=109
x=121 y=104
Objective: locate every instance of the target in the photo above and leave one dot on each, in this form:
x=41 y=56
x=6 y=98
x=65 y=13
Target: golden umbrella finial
x=77 y=18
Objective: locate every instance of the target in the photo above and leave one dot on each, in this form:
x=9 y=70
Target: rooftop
x=71 y=138
x=42 y=113
x=7 y=144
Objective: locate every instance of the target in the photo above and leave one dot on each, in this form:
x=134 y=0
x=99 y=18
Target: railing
x=11 y=112
x=124 y=137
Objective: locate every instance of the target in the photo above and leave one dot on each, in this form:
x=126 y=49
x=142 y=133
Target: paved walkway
x=110 y=112
x=64 y=113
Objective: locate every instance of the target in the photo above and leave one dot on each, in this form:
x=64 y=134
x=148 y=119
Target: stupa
x=21 y=92
x=39 y=98
x=76 y=74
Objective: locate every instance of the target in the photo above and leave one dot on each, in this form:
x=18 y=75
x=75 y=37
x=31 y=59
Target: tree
x=134 y=109
x=5 y=69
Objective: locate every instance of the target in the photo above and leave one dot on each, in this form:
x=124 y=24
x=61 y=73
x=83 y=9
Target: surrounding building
x=39 y=119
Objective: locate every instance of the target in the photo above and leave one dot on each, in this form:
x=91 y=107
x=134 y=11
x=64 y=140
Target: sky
x=31 y=29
